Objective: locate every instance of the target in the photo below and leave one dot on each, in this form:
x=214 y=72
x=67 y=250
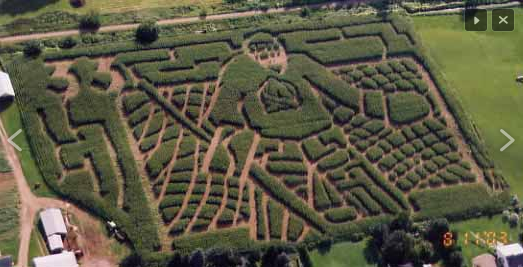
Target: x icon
x=503 y=19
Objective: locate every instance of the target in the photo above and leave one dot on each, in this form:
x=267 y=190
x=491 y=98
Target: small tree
x=398 y=248
x=147 y=31
x=203 y=13
x=77 y=3
x=455 y=259
x=197 y=259
x=33 y=48
x=513 y=220
x=67 y=42
x=305 y=12
x=90 y=21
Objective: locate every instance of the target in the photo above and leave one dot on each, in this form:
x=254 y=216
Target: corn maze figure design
x=280 y=133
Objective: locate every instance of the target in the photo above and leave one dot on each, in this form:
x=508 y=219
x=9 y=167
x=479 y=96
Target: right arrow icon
x=476 y=20
x=509 y=142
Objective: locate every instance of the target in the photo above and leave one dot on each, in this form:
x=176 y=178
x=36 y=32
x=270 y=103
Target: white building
x=6 y=88
x=65 y=259
x=510 y=255
x=55 y=243
x=54 y=228
x=6 y=261
x=53 y=222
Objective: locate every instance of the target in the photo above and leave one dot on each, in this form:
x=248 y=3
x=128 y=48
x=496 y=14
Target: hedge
x=275 y=215
x=133 y=101
x=260 y=218
x=321 y=198
x=374 y=153
x=372 y=207
x=149 y=142
x=223 y=238
x=294 y=228
x=396 y=44
x=130 y=58
x=171 y=132
x=333 y=194
x=187 y=146
x=293 y=181
x=315 y=150
x=407 y=107
x=291 y=152
x=287 y=167
x=153 y=93
x=374 y=126
x=160 y=158
x=333 y=135
x=58 y=84
x=329 y=52
x=155 y=124
x=339 y=215
x=342 y=115
x=333 y=161
x=396 y=139
x=374 y=105
x=287 y=198
x=458 y=203
x=220 y=160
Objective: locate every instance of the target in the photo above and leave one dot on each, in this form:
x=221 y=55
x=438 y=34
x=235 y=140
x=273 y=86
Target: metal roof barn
x=56 y=245
x=6 y=88
x=65 y=259
x=6 y=261
x=53 y=222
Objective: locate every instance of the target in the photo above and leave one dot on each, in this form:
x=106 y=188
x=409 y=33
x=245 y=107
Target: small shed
x=510 y=255
x=55 y=243
x=53 y=222
x=64 y=259
x=6 y=88
x=6 y=261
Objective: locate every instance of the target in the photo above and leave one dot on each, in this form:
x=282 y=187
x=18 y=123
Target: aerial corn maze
x=287 y=133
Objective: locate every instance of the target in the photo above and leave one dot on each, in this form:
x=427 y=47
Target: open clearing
x=235 y=138
x=481 y=67
x=14 y=9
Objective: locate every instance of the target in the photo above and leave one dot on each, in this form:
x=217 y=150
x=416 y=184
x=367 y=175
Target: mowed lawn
x=12 y=123
x=480 y=225
x=14 y=9
x=344 y=254
x=482 y=67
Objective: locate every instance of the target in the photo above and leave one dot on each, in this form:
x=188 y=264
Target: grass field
x=494 y=224
x=342 y=255
x=9 y=219
x=14 y=9
x=11 y=120
x=482 y=67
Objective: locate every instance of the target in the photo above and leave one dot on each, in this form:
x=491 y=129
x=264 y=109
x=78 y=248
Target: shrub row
x=315 y=150
x=275 y=215
x=458 y=202
x=407 y=107
x=286 y=197
x=339 y=215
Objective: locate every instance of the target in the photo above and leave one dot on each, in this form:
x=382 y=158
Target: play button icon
x=475 y=20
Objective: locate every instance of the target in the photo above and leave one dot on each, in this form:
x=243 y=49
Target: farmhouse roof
x=55 y=242
x=510 y=250
x=515 y=261
x=65 y=259
x=6 y=261
x=6 y=88
x=53 y=222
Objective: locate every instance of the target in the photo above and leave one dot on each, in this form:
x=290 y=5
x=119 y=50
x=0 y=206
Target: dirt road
x=123 y=27
x=30 y=205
